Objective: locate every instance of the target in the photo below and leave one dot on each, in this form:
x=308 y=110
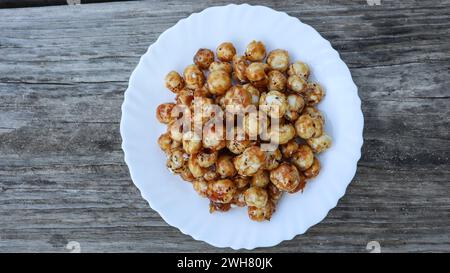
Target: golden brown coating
x=207 y=157
x=213 y=137
x=300 y=69
x=308 y=127
x=220 y=100
x=250 y=161
x=241 y=181
x=238 y=146
x=226 y=51
x=272 y=159
x=261 y=214
x=164 y=112
x=239 y=68
x=254 y=125
x=274 y=103
x=201 y=187
x=295 y=102
x=196 y=170
x=220 y=207
x=176 y=144
x=291 y=115
x=255 y=51
x=203 y=58
x=314 y=170
x=314 y=113
x=289 y=148
x=186 y=174
x=237 y=97
x=227 y=67
x=278 y=130
x=219 y=82
x=320 y=144
x=300 y=185
x=185 y=97
x=274 y=193
x=193 y=77
x=221 y=191
x=278 y=59
x=176 y=159
x=276 y=81
x=295 y=106
x=211 y=174
x=314 y=94
x=202 y=91
x=174 y=82
x=175 y=129
x=256 y=72
x=165 y=142
x=303 y=158
x=285 y=177
x=260 y=179
x=254 y=93
x=225 y=167
x=202 y=110
x=261 y=84
x=256 y=197
x=238 y=198
x=192 y=142
x=297 y=84
x=283 y=134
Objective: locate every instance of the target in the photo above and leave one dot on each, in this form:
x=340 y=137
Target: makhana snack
x=241 y=130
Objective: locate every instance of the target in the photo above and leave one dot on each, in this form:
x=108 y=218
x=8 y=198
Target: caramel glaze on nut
x=238 y=172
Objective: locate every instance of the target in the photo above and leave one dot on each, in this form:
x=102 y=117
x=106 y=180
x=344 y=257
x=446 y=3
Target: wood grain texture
x=63 y=71
x=40 y=3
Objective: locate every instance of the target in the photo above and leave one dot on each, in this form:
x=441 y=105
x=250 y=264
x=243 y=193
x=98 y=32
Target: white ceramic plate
x=175 y=200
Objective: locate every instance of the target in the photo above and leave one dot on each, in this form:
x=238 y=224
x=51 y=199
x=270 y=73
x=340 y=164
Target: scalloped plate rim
x=196 y=236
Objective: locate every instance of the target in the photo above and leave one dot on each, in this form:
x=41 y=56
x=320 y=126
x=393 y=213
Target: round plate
x=175 y=200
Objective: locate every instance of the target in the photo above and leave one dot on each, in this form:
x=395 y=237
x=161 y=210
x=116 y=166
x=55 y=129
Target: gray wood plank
x=40 y=3
x=63 y=71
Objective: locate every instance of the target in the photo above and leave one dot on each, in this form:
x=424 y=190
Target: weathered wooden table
x=63 y=71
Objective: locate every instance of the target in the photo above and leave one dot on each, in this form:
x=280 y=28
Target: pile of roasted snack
x=238 y=171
